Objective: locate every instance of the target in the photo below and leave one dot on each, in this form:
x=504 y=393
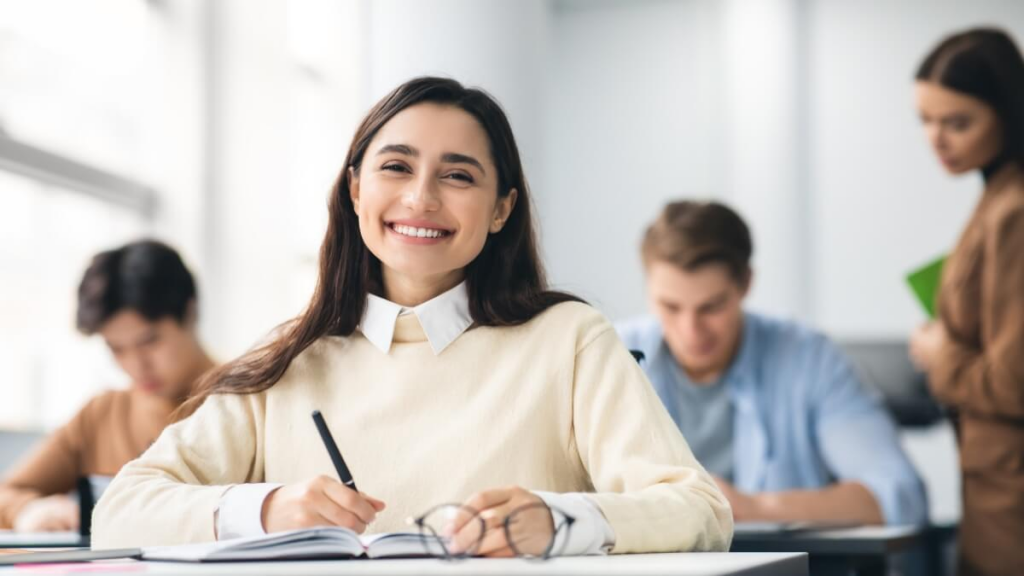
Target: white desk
x=695 y=564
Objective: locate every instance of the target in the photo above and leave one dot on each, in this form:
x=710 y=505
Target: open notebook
x=305 y=544
x=328 y=542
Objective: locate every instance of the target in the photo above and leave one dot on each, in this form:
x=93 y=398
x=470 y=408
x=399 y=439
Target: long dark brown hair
x=986 y=64
x=505 y=282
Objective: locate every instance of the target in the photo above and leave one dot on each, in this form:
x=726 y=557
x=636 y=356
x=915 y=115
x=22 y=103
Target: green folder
x=924 y=282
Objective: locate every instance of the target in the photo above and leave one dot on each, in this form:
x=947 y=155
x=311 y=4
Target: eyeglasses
x=455 y=531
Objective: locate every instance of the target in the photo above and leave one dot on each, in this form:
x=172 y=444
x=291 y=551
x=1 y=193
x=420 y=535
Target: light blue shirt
x=704 y=414
x=802 y=419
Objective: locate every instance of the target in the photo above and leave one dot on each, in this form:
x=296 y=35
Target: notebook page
x=332 y=542
x=400 y=544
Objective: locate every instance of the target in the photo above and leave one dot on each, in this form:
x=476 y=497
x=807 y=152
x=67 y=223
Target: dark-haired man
x=772 y=409
x=142 y=300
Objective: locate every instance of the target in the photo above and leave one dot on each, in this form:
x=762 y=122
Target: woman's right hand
x=322 y=501
x=50 y=514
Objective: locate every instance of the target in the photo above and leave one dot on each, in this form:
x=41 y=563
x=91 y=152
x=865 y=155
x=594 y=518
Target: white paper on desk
x=11 y=539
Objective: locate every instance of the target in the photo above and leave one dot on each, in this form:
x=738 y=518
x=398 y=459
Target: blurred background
x=219 y=125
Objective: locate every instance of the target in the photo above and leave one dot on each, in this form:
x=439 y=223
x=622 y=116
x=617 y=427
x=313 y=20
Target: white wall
x=498 y=45
x=284 y=85
x=248 y=195
x=653 y=101
x=764 y=121
x=882 y=204
x=630 y=121
x=175 y=125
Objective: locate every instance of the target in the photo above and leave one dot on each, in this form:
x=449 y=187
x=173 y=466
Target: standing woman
x=970 y=92
x=446 y=370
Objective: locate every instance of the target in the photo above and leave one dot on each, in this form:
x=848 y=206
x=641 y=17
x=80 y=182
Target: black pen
x=339 y=463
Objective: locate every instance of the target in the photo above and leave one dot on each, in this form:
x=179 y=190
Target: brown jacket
x=111 y=430
x=980 y=372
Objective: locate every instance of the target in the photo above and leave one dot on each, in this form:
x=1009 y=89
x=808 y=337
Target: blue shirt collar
x=743 y=369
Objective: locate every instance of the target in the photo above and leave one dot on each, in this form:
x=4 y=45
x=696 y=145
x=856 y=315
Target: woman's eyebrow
x=456 y=158
x=447 y=157
x=399 y=148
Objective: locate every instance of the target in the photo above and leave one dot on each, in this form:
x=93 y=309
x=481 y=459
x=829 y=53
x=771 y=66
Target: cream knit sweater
x=557 y=404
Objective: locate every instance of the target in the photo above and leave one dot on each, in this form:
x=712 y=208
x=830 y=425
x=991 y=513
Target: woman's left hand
x=532 y=530
x=926 y=344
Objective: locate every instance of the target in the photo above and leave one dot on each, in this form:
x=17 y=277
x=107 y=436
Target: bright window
x=73 y=77
x=47 y=237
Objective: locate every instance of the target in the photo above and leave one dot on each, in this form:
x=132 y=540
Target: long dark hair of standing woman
x=984 y=63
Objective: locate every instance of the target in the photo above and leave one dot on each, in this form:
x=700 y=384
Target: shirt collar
x=444 y=318
x=743 y=366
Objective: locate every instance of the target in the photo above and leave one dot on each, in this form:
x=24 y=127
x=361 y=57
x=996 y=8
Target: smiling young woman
x=446 y=369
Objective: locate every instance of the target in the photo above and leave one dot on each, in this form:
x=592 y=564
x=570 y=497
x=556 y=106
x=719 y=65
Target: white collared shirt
x=443 y=318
